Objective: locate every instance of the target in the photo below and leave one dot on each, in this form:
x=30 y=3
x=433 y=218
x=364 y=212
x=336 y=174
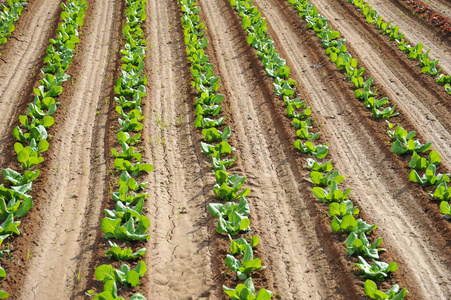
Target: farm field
x=73 y=221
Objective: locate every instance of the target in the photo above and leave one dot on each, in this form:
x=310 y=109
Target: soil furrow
x=180 y=255
x=21 y=61
x=290 y=244
x=359 y=152
x=73 y=191
x=418 y=100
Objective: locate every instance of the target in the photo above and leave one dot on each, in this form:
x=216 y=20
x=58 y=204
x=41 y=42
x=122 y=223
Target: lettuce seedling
x=419 y=163
x=334 y=194
x=15 y=207
x=313 y=165
x=404 y=142
x=126 y=179
x=27 y=156
x=208 y=110
x=223 y=148
x=319 y=151
x=133 y=230
x=220 y=164
x=110 y=293
x=9 y=226
x=124 y=275
x=6 y=251
x=326 y=178
x=246 y=266
x=17 y=179
x=430 y=177
x=218 y=210
x=346 y=207
x=359 y=244
x=135 y=169
x=349 y=224
x=442 y=192
x=386 y=113
x=291 y=113
x=123 y=254
x=201 y=122
x=443 y=79
x=238 y=246
x=378 y=271
x=228 y=193
x=125 y=137
x=246 y=291
x=233 y=223
x=213 y=135
x=284 y=87
x=445 y=208
x=393 y=293
x=128 y=153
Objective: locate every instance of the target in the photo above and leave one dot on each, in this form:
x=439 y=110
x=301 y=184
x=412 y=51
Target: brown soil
x=61 y=241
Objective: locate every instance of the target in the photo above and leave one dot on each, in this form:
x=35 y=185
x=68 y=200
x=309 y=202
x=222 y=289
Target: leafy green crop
x=442 y=192
x=334 y=193
x=345 y=207
x=246 y=291
x=238 y=246
x=110 y=293
x=359 y=244
x=124 y=275
x=319 y=151
x=325 y=179
x=349 y=224
x=430 y=177
x=393 y=293
x=132 y=230
x=419 y=163
x=233 y=223
x=247 y=265
x=123 y=254
x=404 y=142
x=218 y=210
x=378 y=271
x=223 y=148
x=315 y=166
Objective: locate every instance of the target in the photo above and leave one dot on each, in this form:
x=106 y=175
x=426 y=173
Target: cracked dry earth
x=61 y=243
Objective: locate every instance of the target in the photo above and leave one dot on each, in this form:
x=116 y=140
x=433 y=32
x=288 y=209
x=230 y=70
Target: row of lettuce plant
x=9 y=13
x=403 y=142
x=414 y=52
x=233 y=214
x=341 y=209
x=126 y=222
x=32 y=134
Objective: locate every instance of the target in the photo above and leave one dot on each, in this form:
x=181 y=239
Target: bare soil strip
x=21 y=62
x=71 y=190
x=417 y=98
x=180 y=255
x=359 y=152
x=416 y=29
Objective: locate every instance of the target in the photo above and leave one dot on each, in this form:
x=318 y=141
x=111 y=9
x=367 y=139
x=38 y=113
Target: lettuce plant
x=133 y=230
x=238 y=246
x=124 y=275
x=313 y=165
x=359 y=244
x=223 y=148
x=430 y=177
x=419 y=163
x=334 y=193
x=233 y=223
x=325 y=179
x=110 y=293
x=318 y=151
x=442 y=192
x=373 y=292
x=212 y=134
x=445 y=208
x=218 y=210
x=120 y=254
x=378 y=271
x=247 y=291
x=247 y=265
x=345 y=207
x=349 y=224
